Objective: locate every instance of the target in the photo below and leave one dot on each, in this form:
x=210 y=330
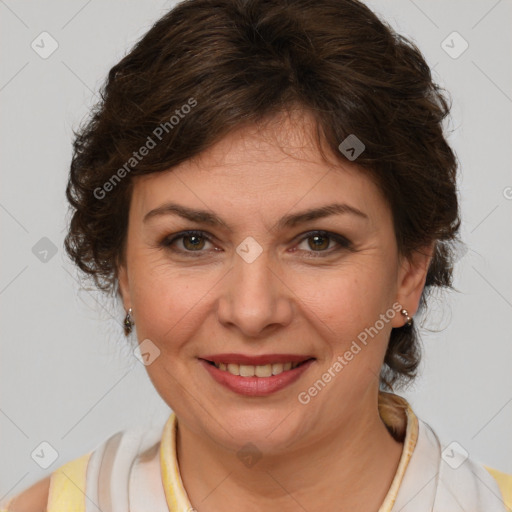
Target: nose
x=255 y=299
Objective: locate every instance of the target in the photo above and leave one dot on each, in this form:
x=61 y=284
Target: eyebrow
x=288 y=221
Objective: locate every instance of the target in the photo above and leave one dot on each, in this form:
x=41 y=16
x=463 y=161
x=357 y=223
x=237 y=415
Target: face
x=255 y=275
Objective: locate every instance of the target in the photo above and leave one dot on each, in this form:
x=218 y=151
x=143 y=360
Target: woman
x=267 y=188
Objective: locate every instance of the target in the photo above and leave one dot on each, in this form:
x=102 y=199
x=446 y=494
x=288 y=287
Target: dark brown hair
x=210 y=66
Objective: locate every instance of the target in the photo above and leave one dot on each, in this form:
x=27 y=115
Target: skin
x=33 y=499
x=335 y=451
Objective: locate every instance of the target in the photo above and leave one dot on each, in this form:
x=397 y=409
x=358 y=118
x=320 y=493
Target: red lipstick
x=256 y=386
x=257 y=360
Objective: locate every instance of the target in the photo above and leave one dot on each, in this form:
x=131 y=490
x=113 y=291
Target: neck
x=350 y=468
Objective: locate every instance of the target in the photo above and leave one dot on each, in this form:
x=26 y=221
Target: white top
x=137 y=470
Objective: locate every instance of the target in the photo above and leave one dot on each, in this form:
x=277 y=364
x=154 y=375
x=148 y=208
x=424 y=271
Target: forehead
x=272 y=167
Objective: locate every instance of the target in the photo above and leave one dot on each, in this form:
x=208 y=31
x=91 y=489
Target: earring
x=128 y=323
x=408 y=319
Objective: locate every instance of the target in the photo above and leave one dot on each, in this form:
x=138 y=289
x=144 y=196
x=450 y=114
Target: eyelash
x=343 y=243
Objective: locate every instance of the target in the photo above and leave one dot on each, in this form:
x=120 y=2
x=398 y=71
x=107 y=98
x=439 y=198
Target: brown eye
x=324 y=243
x=319 y=242
x=191 y=242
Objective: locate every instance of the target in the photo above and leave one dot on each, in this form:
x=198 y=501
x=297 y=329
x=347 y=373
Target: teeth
x=247 y=370
x=233 y=368
x=263 y=371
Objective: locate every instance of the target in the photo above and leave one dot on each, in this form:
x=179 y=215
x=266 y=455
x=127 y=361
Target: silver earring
x=408 y=319
x=128 y=322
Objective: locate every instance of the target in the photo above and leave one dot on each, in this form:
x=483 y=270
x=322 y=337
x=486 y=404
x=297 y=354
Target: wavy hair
x=242 y=61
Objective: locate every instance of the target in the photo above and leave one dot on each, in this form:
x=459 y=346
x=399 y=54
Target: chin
x=268 y=430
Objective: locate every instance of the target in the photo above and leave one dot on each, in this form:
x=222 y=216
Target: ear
x=123 y=286
x=411 y=278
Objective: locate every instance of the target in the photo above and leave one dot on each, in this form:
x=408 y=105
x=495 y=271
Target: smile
x=256 y=379
x=265 y=370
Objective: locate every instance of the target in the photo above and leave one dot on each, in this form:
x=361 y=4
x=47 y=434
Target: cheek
x=167 y=301
x=348 y=297
x=345 y=309
x=171 y=302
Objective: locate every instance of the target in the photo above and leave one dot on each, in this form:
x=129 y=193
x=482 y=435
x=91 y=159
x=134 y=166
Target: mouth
x=262 y=370
x=256 y=376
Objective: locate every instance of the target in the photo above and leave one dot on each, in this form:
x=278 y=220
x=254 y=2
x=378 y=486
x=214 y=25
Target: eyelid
x=343 y=242
x=340 y=239
x=167 y=241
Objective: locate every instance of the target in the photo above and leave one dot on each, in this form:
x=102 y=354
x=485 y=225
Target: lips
x=242 y=359
x=256 y=380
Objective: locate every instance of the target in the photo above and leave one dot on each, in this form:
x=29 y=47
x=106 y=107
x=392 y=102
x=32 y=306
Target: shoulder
x=504 y=482
x=65 y=486
x=33 y=499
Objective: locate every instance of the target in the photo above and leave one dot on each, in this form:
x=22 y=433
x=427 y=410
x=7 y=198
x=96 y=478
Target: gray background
x=67 y=375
